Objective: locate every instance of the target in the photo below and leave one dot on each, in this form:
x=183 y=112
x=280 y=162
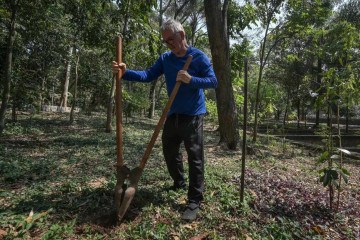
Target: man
x=184 y=122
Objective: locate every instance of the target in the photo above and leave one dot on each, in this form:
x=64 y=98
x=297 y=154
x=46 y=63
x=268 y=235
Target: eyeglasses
x=170 y=40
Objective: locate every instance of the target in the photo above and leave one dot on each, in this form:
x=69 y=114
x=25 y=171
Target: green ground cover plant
x=57 y=182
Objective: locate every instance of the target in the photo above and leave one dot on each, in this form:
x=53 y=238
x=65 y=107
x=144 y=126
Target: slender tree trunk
x=152 y=99
x=286 y=111
x=298 y=113
x=108 y=127
x=8 y=64
x=75 y=90
x=330 y=149
x=257 y=99
x=270 y=11
x=64 y=95
x=302 y=111
x=317 y=117
x=110 y=106
x=347 y=116
x=341 y=155
x=14 y=115
x=318 y=83
x=41 y=98
x=243 y=153
x=162 y=84
x=152 y=92
x=328 y=116
x=193 y=25
x=219 y=44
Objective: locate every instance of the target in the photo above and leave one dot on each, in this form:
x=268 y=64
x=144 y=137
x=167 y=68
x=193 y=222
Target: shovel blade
x=125 y=203
x=129 y=193
x=122 y=173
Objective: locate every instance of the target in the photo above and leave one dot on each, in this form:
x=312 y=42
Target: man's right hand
x=116 y=67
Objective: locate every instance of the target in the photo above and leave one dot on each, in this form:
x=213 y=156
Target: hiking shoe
x=191 y=212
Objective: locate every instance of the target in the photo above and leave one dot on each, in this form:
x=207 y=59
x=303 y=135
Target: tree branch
x=181 y=8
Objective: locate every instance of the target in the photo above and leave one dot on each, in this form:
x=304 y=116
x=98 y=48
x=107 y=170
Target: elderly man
x=184 y=122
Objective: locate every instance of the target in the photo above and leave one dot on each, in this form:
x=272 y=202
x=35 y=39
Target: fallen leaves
x=301 y=199
x=3 y=233
x=96 y=183
x=247 y=237
x=190 y=226
x=29 y=218
x=201 y=236
x=319 y=230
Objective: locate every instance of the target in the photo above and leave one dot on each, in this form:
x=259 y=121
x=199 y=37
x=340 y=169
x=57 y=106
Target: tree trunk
x=286 y=110
x=219 y=44
x=318 y=84
x=108 y=127
x=347 y=116
x=14 y=115
x=270 y=11
x=151 y=110
x=243 y=152
x=298 y=112
x=257 y=99
x=328 y=116
x=64 y=94
x=41 y=97
x=152 y=95
x=75 y=90
x=110 y=107
x=8 y=64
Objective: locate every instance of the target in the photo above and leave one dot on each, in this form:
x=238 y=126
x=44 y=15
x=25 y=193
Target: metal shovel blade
x=128 y=195
x=122 y=173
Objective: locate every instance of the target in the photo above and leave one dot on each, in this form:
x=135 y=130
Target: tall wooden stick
x=244 y=131
x=118 y=104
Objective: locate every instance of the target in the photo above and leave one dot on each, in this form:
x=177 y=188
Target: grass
x=57 y=182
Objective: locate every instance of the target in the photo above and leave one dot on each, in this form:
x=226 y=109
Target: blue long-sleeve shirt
x=190 y=99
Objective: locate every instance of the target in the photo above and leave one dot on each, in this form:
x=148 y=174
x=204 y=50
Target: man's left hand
x=183 y=76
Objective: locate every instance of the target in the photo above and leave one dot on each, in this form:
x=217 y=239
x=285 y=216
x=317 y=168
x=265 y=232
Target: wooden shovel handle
x=163 y=117
x=118 y=104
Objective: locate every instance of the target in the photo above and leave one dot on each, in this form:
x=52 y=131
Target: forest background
x=58 y=53
x=302 y=55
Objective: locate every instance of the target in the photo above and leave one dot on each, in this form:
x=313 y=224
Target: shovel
x=123 y=195
x=122 y=170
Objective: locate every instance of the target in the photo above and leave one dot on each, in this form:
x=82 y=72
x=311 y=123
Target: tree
x=12 y=8
x=267 y=11
x=350 y=12
x=135 y=26
x=287 y=70
x=65 y=85
x=299 y=16
x=75 y=87
x=219 y=44
x=152 y=96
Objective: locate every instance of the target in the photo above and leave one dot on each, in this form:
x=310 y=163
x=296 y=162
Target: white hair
x=172 y=25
